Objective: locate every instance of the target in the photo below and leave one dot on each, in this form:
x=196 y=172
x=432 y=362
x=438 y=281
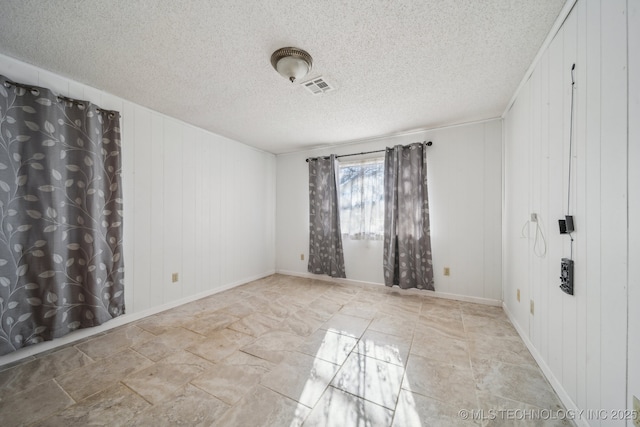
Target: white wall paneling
x=633 y=28
x=189 y=214
x=580 y=202
x=204 y=206
x=142 y=197
x=492 y=202
x=516 y=215
x=127 y=126
x=172 y=208
x=556 y=196
x=196 y=204
x=613 y=211
x=464 y=173
x=569 y=312
x=155 y=165
x=580 y=341
x=594 y=273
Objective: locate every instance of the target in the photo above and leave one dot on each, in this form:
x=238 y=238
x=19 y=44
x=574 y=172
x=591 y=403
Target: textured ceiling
x=397 y=65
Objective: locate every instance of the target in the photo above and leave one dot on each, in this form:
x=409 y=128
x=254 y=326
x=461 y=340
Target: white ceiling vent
x=317 y=86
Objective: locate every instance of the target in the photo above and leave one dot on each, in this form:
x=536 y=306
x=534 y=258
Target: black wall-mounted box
x=566 y=225
x=566 y=276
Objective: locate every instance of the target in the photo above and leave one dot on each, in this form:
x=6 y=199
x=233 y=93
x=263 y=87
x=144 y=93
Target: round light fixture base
x=292 y=63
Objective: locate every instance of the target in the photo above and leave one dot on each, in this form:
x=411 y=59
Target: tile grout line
x=59 y=410
x=122 y=383
x=213 y=396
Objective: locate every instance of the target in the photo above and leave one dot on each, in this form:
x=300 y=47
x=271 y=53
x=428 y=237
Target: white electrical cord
x=536 y=251
x=539 y=254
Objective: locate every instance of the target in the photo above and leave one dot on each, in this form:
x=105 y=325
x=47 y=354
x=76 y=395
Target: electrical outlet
x=518 y=295
x=301 y=257
x=636 y=411
x=534 y=217
x=447 y=272
x=531 y=306
x=174 y=277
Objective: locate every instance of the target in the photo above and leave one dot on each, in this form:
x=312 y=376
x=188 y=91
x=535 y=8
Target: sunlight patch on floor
x=365 y=391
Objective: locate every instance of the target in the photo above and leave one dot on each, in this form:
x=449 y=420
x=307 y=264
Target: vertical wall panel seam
x=548 y=193
x=547 y=196
x=164 y=213
x=600 y=198
x=484 y=211
x=563 y=143
x=503 y=238
x=131 y=140
x=626 y=391
x=531 y=177
x=183 y=193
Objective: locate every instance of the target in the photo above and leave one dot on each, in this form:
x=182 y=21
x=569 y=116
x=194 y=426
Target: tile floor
x=287 y=351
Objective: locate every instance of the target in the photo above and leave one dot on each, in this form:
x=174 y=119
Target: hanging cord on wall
x=573 y=83
x=536 y=251
x=540 y=252
x=573 y=86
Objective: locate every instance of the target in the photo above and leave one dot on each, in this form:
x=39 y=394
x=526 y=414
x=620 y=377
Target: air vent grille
x=318 y=86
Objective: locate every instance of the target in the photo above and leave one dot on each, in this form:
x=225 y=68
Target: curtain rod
x=36 y=91
x=429 y=144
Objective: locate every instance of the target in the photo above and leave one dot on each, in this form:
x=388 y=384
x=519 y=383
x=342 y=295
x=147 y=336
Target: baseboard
x=557 y=387
x=436 y=294
x=81 y=334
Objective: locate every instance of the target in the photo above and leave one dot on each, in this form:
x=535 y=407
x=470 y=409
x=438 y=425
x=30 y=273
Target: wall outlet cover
x=447 y=272
x=534 y=217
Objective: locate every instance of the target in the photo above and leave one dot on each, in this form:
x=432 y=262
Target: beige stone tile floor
x=288 y=351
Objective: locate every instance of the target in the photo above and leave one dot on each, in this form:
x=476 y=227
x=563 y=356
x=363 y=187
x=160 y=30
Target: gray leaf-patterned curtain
x=325 y=240
x=407 y=236
x=61 y=265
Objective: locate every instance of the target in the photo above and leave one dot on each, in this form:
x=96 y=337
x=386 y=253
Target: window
x=362 y=199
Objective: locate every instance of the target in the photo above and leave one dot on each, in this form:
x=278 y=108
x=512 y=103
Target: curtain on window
x=61 y=264
x=325 y=241
x=362 y=199
x=407 y=240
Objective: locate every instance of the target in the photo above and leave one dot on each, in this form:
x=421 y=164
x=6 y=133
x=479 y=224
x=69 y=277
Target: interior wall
x=580 y=341
x=196 y=203
x=633 y=29
x=464 y=179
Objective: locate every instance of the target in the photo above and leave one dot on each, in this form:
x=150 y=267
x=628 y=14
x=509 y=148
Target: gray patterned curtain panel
x=407 y=235
x=61 y=265
x=325 y=239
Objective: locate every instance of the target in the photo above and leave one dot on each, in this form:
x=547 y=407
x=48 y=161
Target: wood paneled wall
x=633 y=29
x=464 y=173
x=581 y=340
x=196 y=203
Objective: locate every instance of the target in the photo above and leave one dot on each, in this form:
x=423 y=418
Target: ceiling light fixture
x=291 y=62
